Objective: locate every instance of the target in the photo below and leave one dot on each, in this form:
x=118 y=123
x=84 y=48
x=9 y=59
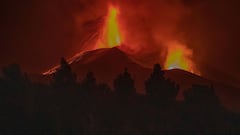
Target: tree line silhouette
x=68 y=107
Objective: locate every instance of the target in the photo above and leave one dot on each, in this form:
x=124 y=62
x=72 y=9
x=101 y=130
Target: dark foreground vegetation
x=68 y=107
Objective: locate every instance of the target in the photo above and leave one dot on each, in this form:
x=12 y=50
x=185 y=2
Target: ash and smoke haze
x=37 y=33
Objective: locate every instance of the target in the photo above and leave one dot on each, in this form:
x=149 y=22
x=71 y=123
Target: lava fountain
x=180 y=57
x=110 y=35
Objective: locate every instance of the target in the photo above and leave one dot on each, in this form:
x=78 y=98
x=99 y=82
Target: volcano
x=107 y=63
x=107 y=59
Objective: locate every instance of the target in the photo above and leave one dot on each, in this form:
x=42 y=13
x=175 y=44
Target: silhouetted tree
x=15 y=80
x=89 y=83
x=201 y=95
x=95 y=109
x=104 y=89
x=14 y=91
x=13 y=73
x=64 y=77
x=159 y=88
x=153 y=84
x=204 y=111
x=124 y=84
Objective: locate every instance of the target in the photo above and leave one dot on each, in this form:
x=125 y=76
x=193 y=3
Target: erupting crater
x=180 y=57
x=110 y=35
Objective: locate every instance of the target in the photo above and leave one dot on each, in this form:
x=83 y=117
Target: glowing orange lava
x=179 y=56
x=110 y=35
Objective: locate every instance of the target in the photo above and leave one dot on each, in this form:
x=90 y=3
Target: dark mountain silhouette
x=228 y=95
x=108 y=62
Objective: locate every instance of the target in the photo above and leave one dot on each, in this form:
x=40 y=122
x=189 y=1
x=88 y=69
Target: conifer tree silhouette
x=104 y=88
x=124 y=84
x=89 y=82
x=13 y=73
x=16 y=81
x=204 y=110
x=159 y=88
x=64 y=76
x=201 y=96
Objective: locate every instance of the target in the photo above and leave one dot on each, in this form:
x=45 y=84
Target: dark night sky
x=36 y=33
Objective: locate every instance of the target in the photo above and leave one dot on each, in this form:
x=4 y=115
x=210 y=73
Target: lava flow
x=110 y=35
x=179 y=57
